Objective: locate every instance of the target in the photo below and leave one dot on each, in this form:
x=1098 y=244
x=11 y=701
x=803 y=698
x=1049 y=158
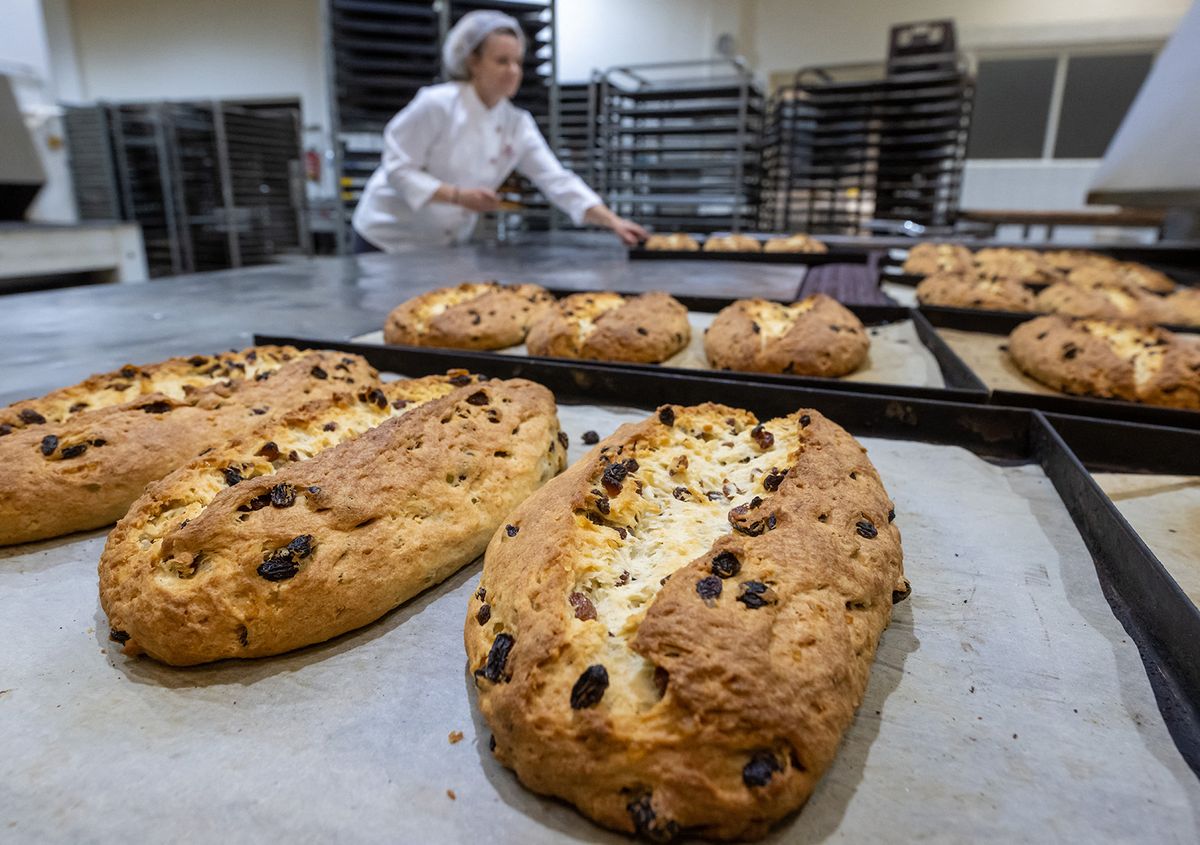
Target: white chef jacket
x=446 y=134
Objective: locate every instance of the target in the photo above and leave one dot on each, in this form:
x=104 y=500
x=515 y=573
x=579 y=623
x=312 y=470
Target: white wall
x=597 y=34
x=789 y=34
x=221 y=49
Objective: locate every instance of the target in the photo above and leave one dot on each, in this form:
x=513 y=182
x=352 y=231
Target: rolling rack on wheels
x=677 y=143
x=845 y=157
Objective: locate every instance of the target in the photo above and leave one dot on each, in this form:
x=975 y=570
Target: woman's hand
x=629 y=232
x=478 y=199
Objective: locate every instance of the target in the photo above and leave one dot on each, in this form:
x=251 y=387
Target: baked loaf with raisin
x=732 y=243
x=674 y=634
x=795 y=243
x=1110 y=360
x=1025 y=266
x=324 y=522
x=961 y=290
x=79 y=461
x=473 y=315
x=925 y=259
x=677 y=242
x=816 y=336
x=1100 y=302
x=1127 y=274
x=606 y=326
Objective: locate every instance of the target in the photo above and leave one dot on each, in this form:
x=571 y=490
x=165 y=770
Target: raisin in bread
x=308 y=530
x=966 y=290
x=80 y=470
x=675 y=633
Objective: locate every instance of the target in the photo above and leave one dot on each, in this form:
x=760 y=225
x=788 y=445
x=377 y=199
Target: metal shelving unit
x=212 y=184
x=678 y=143
x=383 y=51
x=842 y=156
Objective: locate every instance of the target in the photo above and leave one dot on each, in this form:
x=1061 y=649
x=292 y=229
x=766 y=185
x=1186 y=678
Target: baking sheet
x=905 y=295
x=986 y=354
x=897 y=355
x=1005 y=703
x=1165 y=512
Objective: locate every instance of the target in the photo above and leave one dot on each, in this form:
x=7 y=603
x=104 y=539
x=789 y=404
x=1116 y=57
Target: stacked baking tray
x=677 y=144
x=843 y=154
x=213 y=184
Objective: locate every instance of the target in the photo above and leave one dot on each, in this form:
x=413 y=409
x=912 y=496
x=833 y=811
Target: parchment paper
x=982 y=352
x=897 y=355
x=1165 y=512
x=905 y=295
x=1005 y=704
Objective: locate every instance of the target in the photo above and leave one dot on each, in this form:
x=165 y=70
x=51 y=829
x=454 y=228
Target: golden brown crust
x=925 y=259
x=473 y=315
x=677 y=242
x=1101 y=302
x=816 y=336
x=605 y=326
x=958 y=290
x=1181 y=308
x=1070 y=259
x=795 y=243
x=84 y=472
x=175 y=378
x=1110 y=360
x=732 y=243
x=297 y=553
x=1126 y=274
x=1026 y=266
x=665 y=673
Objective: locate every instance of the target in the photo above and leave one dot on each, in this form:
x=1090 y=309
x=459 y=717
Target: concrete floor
x=55 y=338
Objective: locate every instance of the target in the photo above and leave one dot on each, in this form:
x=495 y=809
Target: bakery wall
x=225 y=49
x=598 y=34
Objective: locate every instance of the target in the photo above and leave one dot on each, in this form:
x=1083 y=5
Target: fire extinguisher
x=312 y=165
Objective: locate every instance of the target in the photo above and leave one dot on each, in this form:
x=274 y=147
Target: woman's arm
x=407 y=140
x=538 y=163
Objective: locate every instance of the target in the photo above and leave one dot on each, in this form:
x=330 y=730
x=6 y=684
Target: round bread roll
x=473 y=315
x=605 y=326
x=677 y=242
x=1110 y=360
x=956 y=290
x=795 y=243
x=816 y=336
x=732 y=243
x=925 y=259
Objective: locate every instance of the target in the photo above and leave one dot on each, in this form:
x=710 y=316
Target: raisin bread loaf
x=675 y=633
x=74 y=471
x=605 y=326
x=322 y=523
x=473 y=315
x=1110 y=360
x=816 y=336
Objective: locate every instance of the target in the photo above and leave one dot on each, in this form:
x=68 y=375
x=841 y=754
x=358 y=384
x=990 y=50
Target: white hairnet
x=468 y=34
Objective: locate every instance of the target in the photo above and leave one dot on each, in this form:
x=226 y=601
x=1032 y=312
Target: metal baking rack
x=1002 y=434
x=677 y=143
x=840 y=155
x=1003 y=322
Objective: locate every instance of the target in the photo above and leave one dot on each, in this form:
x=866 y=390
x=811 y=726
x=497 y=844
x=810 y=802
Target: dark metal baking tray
x=833 y=256
x=997 y=433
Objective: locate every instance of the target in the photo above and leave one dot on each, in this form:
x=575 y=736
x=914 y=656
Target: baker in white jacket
x=446 y=153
